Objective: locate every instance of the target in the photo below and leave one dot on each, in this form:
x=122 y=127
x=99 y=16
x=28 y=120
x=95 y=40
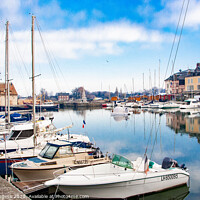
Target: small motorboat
x=120 y=111
x=122 y=178
x=190 y=104
x=21 y=155
x=56 y=158
x=170 y=105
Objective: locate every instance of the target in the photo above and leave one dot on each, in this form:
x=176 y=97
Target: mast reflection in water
x=168 y=134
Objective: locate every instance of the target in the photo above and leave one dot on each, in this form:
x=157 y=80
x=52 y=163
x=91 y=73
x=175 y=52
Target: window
x=198 y=80
x=16 y=134
x=190 y=87
x=48 y=151
x=188 y=80
x=191 y=80
x=198 y=87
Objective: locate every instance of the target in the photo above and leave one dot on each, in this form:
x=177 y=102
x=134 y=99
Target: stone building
x=13 y=94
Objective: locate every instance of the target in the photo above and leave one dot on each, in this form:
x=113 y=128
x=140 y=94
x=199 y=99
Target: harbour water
x=164 y=134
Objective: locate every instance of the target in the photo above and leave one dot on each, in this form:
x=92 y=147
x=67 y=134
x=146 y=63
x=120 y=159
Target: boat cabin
x=189 y=101
x=20 y=134
x=60 y=149
x=52 y=150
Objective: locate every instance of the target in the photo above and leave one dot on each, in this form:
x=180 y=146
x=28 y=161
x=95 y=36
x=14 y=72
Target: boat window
x=122 y=162
x=65 y=150
x=20 y=134
x=50 y=152
x=44 y=150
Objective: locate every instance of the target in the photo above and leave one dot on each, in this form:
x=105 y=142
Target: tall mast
x=154 y=82
x=33 y=78
x=159 y=78
x=143 y=85
x=109 y=92
x=7 y=83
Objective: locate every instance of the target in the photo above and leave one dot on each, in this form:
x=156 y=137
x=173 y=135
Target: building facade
x=192 y=85
x=13 y=94
x=175 y=84
x=63 y=96
x=184 y=83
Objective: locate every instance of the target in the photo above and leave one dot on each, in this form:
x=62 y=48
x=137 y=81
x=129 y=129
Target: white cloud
x=170 y=14
x=101 y=39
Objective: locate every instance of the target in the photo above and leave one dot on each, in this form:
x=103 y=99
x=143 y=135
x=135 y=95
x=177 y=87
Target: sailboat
x=21 y=136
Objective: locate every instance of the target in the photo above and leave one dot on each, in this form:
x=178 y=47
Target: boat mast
x=7 y=81
x=159 y=79
x=133 y=85
x=154 y=91
x=33 y=79
x=143 y=86
x=109 y=92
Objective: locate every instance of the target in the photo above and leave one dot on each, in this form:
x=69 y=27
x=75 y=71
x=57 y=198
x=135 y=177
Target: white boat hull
x=127 y=188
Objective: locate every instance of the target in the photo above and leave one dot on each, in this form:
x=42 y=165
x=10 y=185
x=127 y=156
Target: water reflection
x=120 y=118
x=185 y=123
x=178 y=193
x=168 y=133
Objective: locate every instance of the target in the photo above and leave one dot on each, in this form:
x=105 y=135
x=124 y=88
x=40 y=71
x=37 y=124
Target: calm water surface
x=170 y=134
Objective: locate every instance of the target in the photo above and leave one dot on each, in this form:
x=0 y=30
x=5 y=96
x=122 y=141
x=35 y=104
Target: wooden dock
x=9 y=192
x=28 y=187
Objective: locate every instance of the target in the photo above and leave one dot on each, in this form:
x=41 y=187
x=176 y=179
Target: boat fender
x=65 y=169
x=72 y=149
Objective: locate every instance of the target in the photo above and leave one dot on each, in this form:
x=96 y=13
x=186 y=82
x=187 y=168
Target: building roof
x=12 y=89
x=181 y=75
x=62 y=94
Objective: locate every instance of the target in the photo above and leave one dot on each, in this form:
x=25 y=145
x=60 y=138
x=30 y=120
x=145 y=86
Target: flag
x=146 y=165
x=83 y=124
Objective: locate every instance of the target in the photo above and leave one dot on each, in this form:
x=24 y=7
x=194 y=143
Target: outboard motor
x=183 y=167
x=169 y=162
x=98 y=153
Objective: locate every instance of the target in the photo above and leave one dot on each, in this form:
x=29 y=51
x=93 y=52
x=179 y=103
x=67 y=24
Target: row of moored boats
x=73 y=164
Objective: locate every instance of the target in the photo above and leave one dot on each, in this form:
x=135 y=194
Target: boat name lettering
x=80 y=161
x=169 y=177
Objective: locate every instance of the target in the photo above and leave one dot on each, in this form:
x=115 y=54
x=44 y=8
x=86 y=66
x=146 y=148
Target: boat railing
x=88 y=175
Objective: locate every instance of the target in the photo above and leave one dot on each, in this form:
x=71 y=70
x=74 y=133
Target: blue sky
x=97 y=43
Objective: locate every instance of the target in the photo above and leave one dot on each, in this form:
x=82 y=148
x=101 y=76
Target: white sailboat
x=121 y=179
